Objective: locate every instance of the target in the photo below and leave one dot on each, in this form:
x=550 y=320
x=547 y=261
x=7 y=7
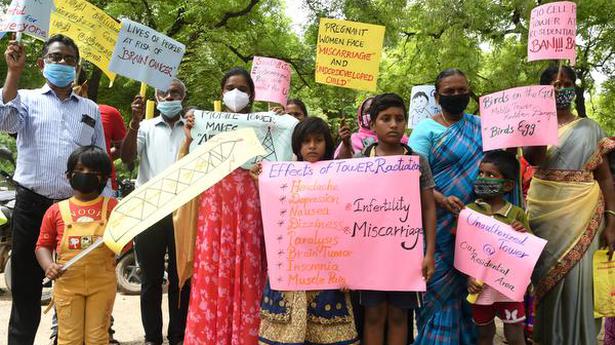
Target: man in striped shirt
x=50 y=123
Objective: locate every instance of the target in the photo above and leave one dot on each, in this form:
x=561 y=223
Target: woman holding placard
x=229 y=257
x=452 y=143
x=570 y=201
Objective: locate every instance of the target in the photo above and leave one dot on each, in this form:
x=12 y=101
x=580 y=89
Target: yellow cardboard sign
x=91 y=28
x=348 y=54
x=604 y=285
x=180 y=183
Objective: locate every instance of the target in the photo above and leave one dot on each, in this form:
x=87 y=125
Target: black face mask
x=86 y=183
x=455 y=104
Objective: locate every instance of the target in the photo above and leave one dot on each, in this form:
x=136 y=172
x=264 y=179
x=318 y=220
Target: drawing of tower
x=269 y=146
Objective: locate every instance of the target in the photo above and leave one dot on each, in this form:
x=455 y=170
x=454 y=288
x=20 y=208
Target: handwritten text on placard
x=553 y=29
x=523 y=116
x=324 y=229
x=91 y=28
x=145 y=55
x=493 y=252
x=272 y=130
x=348 y=54
x=271 y=80
x=28 y=16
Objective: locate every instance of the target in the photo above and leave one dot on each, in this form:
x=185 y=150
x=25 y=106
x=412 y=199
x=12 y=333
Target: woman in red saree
x=229 y=267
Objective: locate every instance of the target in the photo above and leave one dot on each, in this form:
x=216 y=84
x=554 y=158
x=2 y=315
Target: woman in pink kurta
x=229 y=260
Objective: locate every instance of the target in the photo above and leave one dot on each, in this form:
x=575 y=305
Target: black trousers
x=26 y=274
x=151 y=246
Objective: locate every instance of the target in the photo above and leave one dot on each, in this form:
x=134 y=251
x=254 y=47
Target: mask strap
x=559 y=72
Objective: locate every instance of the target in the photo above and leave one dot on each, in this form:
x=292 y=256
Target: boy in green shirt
x=497 y=174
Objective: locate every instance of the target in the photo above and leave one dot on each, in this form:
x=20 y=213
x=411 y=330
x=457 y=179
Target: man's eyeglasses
x=57 y=58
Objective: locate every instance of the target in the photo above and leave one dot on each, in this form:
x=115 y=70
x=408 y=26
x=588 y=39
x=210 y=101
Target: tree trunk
x=580 y=101
x=94 y=83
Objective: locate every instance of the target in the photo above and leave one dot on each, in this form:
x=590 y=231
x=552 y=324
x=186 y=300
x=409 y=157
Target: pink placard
x=553 y=29
x=494 y=253
x=352 y=223
x=523 y=116
x=271 y=79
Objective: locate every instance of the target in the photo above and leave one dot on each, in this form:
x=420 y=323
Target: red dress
x=229 y=265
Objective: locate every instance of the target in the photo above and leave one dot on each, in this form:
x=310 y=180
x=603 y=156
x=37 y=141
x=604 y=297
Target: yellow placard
x=604 y=285
x=91 y=28
x=348 y=54
x=180 y=183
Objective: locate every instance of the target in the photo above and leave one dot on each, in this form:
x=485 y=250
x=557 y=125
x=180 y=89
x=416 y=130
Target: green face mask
x=486 y=187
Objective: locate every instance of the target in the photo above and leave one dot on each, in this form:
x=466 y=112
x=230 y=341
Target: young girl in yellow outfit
x=85 y=292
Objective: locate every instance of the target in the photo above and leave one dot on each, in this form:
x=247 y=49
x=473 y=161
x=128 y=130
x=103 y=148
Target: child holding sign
x=497 y=174
x=84 y=293
x=312 y=317
x=389 y=119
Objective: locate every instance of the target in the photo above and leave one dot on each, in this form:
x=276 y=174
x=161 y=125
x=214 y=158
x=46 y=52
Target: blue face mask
x=169 y=109
x=58 y=74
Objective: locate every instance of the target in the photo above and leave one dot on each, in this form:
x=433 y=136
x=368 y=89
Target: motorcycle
x=127 y=270
x=7 y=204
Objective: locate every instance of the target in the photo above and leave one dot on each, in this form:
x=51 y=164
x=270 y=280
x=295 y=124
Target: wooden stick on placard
x=143 y=90
x=218 y=106
x=79 y=256
x=149 y=109
x=79 y=67
x=559 y=71
x=473 y=297
x=18 y=36
x=342 y=123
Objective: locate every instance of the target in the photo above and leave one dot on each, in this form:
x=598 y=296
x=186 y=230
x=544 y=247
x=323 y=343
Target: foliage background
x=485 y=38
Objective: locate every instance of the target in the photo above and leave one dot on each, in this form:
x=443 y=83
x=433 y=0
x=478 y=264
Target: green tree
x=485 y=38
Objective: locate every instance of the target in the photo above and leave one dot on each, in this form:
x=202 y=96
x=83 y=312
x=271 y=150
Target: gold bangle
x=130 y=127
x=609 y=212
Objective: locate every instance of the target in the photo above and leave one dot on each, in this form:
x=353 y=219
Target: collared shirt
x=157 y=146
x=507 y=214
x=48 y=131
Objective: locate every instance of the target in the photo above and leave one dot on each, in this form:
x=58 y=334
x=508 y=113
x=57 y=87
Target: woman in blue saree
x=452 y=143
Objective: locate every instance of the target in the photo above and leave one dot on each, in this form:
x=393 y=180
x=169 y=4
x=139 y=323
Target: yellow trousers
x=84 y=298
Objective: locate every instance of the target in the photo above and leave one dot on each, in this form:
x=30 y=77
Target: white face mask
x=236 y=100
